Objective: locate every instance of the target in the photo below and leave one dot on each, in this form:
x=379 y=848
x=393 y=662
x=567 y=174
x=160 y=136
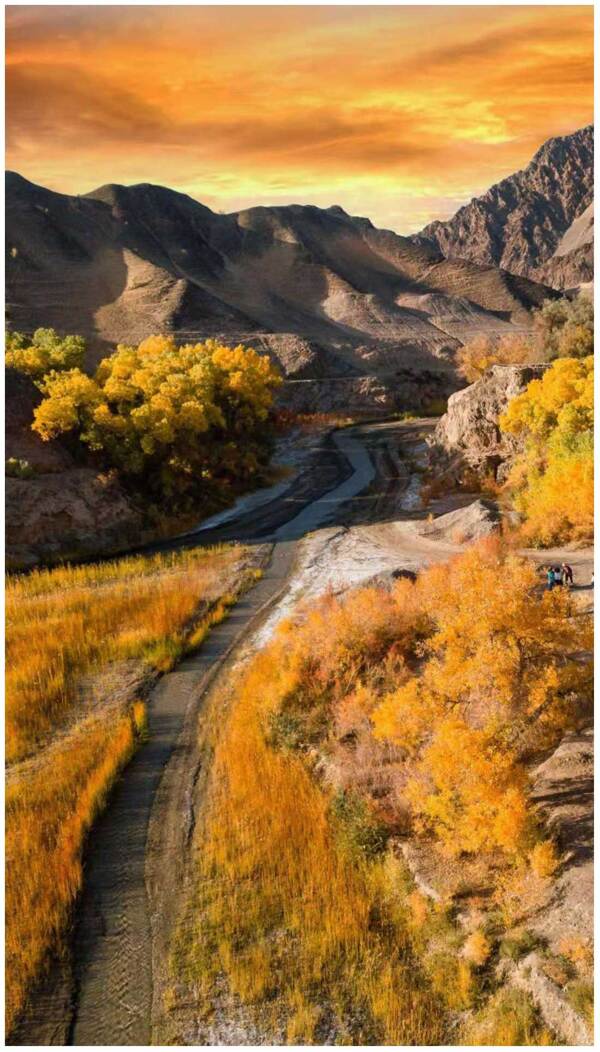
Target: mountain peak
x=519 y=222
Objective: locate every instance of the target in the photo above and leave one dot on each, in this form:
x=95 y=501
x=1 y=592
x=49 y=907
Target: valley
x=345 y=518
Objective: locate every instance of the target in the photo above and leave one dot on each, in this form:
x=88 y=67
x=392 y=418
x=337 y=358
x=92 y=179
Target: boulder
x=468 y=435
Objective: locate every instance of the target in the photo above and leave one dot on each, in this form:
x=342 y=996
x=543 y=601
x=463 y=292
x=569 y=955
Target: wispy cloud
x=398 y=113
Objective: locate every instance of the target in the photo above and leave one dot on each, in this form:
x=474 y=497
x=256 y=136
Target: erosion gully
x=101 y=992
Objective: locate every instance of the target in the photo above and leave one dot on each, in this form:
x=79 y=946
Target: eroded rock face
x=67 y=514
x=62 y=511
x=519 y=223
x=469 y=433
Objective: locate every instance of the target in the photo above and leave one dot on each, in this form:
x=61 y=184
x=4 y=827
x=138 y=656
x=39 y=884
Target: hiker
x=567 y=575
x=550 y=579
x=558 y=575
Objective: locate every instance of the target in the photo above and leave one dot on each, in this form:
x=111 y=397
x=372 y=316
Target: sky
x=399 y=113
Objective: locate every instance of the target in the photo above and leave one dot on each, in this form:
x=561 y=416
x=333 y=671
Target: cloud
x=388 y=111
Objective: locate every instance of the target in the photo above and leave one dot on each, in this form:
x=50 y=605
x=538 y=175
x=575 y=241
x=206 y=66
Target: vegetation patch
x=416 y=710
x=65 y=626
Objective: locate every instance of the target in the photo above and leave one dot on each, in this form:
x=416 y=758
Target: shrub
x=581 y=996
x=509 y=1018
x=565 y=327
x=518 y=944
x=477 y=948
x=544 y=859
x=359 y=830
x=16 y=468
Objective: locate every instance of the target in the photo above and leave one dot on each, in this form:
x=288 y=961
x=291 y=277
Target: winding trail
x=113 y=942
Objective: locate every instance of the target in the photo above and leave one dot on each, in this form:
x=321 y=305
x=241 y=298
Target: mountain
x=572 y=262
x=366 y=315
x=520 y=222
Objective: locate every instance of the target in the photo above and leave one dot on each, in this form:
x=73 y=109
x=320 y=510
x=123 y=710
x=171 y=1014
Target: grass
x=49 y=809
x=65 y=625
x=301 y=909
x=284 y=912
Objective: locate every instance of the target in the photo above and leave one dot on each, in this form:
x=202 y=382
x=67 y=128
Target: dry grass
x=50 y=806
x=66 y=622
x=63 y=625
x=282 y=911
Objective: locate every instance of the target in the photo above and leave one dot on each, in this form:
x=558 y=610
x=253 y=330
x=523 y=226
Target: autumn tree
x=497 y=679
x=552 y=480
x=177 y=422
x=484 y=351
x=43 y=353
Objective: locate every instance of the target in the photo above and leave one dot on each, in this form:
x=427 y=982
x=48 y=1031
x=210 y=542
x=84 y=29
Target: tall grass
x=50 y=806
x=283 y=911
x=64 y=623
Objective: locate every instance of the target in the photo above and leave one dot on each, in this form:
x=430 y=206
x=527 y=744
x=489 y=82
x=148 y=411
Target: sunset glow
x=397 y=113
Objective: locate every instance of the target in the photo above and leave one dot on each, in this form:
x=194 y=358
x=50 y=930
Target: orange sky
x=397 y=113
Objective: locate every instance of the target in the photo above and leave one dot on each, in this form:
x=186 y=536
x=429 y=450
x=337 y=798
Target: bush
x=359 y=830
x=15 y=468
x=581 y=997
x=518 y=945
x=477 y=948
x=508 y=1019
x=565 y=328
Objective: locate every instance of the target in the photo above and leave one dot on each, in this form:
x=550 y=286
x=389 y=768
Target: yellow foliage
x=63 y=625
x=543 y=859
x=176 y=418
x=50 y=806
x=482 y=352
x=66 y=622
x=43 y=353
x=553 y=480
x=477 y=948
x=273 y=881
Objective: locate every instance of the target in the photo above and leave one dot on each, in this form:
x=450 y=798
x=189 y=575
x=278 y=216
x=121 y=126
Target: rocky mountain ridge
x=326 y=294
x=520 y=222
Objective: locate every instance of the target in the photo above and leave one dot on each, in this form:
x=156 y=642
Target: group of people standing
x=559 y=575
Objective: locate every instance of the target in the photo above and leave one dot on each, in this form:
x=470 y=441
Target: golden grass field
x=303 y=907
x=283 y=912
x=63 y=625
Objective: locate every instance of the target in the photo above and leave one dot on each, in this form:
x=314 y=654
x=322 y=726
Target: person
x=567 y=574
x=558 y=575
x=550 y=578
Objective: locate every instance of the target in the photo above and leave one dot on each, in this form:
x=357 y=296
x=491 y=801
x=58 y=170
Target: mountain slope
x=519 y=223
x=121 y=263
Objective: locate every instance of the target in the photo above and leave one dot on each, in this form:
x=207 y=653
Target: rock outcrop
x=469 y=433
x=519 y=223
x=572 y=264
x=353 y=312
